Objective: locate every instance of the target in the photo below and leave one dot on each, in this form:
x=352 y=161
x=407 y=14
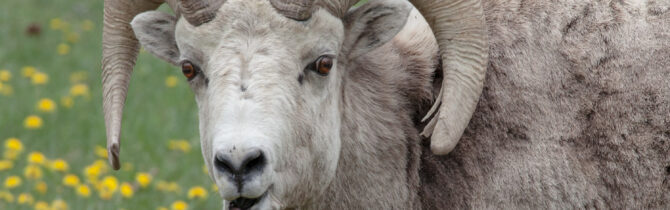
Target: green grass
x=153 y=115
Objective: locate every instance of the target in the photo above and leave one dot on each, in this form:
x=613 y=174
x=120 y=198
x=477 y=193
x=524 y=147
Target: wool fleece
x=575 y=111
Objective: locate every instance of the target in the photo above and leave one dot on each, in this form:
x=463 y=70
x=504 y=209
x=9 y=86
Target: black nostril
x=223 y=164
x=253 y=162
x=250 y=164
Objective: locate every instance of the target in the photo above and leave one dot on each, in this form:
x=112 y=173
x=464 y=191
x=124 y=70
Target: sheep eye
x=189 y=70
x=322 y=65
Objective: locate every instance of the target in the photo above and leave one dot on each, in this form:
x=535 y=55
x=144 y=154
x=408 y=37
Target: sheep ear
x=374 y=24
x=155 y=31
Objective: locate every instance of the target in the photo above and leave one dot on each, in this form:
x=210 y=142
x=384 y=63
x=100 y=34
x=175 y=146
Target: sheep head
x=267 y=76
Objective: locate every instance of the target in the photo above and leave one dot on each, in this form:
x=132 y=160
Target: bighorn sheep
x=307 y=104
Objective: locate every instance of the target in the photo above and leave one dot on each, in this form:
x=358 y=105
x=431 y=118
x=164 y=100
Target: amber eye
x=189 y=70
x=323 y=64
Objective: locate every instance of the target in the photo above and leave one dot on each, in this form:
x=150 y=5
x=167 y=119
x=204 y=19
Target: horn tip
x=113 y=154
x=442 y=143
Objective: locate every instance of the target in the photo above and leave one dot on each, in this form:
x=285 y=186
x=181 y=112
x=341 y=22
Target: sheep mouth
x=243 y=203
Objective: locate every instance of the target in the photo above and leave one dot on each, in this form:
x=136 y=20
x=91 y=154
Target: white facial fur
x=252 y=58
x=254 y=92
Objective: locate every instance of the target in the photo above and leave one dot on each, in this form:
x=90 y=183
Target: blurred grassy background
x=64 y=43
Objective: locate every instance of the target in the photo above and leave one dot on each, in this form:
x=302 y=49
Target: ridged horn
x=198 y=12
x=294 y=9
x=460 y=29
x=119 y=51
x=337 y=7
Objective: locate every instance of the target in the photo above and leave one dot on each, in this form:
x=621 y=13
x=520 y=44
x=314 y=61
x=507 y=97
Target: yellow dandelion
x=144 y=179
x=39 y=78
x=56 y=23
x=78 y=77
x=197 y=192
x=79 y=90
x=6 y=196
x=167 y=186
x=110 y=183
x=37 y=158
x=63 y=49
x=58 y=204
x=161 y=208
x=204 y=169
x=87 y=25
x=92 y=171
x=102 y=164
x=179 y=205
x=71 y=180
x=46 y=105
x=59 y=165
x=126 y=190
x=25 y=198
x=215 y=188
x=6 y=90
x=181 y=145
x=6 y=164
x=96 y=169
x=41 y=205
x=106 y=194
x=41 y=187
x=11 y=154
x=101 y=152
x=171 y=81
x=5 y=75
x=32 y=172
x=12 y=182
x=72 y=37
x=28 y=71
x=66 y=101
x=84 y=191
x=13 y=144
x=32 y=122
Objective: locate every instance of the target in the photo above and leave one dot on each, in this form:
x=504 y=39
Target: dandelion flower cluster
x=87 y=25
x=36 y=158
x=126 y=190
x=28 y=71
x=41 y=187
x=63 y=49
x=179 y=205
x=33 y=122
x=179 y=145
x=84 y=191
x=39 y=78
x=71 y=180
x=25 y=198
x=197 y=192
x=59 y=165
x=41 y=205
x=143 y=179
x=46 y=105
x=5 y=75
x=32 y=172
x=171 y=81
x=32 y=179
x=79 y=90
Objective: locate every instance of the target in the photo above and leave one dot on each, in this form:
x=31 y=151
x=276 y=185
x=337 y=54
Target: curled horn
x=294 y=9
x=460 y=29
x=197 y=12
x=119 y=51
